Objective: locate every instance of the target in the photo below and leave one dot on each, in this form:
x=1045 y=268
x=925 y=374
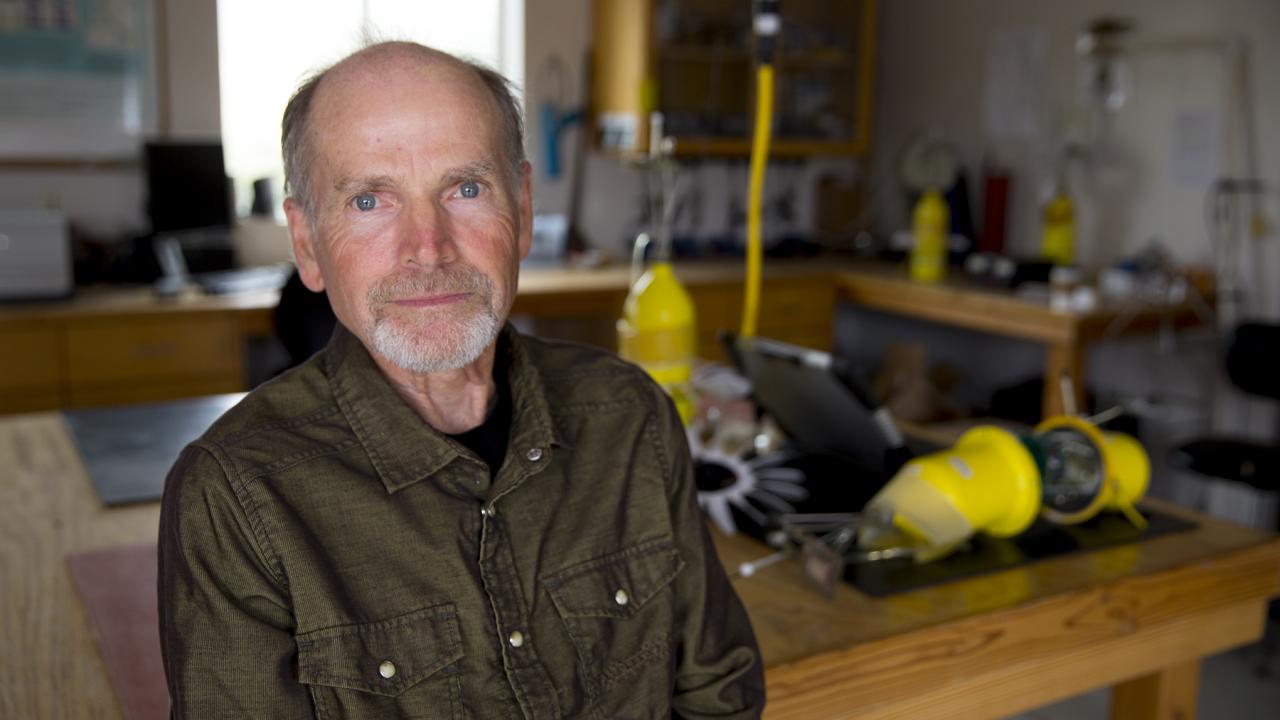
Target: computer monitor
x=187 y=186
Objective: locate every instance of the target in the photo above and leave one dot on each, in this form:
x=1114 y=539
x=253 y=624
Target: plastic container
x=930 y=224
x=1057 y=243
x=658 y=332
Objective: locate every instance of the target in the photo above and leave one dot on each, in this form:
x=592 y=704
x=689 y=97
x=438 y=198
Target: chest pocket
x=619 y=611
x=407 y=666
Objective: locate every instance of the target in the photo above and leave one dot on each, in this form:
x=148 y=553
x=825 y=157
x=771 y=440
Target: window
x=265 y=49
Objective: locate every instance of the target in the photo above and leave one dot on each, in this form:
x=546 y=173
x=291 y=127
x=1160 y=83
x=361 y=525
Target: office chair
x=304 y=320
x=1252 y=352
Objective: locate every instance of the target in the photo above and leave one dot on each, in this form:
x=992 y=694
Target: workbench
x=115 y=346
x=1139 y=617
x=959 y=302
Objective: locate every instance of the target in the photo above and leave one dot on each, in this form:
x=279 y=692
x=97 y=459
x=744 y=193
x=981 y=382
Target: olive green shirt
x=325 y=553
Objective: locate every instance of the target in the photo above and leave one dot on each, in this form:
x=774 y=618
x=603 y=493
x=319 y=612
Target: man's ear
x=303 y=237
x=526 y=209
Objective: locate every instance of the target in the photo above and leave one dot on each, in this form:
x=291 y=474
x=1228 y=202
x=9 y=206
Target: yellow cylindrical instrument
x=992 y=481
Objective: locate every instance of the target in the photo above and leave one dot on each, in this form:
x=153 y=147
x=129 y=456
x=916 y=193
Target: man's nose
x=425 y=236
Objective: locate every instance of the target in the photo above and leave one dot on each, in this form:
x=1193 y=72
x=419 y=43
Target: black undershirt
x=489 y=439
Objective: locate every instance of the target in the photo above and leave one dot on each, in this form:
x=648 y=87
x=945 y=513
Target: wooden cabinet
x=693 y=61
x=142 y=359
x=124 y=346
x=798 y=302
x=800 y=311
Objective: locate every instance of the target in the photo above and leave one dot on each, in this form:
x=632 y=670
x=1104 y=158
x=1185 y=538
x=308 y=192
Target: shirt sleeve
x=719 y=673
x=226 y=625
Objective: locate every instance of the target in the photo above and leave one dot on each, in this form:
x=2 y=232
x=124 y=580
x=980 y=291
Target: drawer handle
x=154 y=350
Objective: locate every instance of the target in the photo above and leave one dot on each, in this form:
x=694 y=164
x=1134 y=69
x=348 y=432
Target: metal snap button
x=621 y=597
x=387 y=669
x=488 y=511
x=534 y=454
x=516 y=639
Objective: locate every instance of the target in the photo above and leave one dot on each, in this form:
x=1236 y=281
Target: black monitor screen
x=187 y=186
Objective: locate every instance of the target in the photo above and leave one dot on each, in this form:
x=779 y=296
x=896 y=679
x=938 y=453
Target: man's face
x=418 y=228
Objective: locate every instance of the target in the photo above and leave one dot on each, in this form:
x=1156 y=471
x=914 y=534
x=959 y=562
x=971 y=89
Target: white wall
x=932 y=59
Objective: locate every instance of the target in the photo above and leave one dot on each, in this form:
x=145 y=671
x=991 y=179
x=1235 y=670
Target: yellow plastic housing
x=988 y=482
x=1130 y=470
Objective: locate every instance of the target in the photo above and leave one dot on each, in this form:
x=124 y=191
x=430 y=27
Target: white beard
x=458 y=344
x=417 y=353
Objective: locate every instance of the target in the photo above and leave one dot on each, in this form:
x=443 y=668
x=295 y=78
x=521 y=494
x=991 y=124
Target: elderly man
x=435 y=517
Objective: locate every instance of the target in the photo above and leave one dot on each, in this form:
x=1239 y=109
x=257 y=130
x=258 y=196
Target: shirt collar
x=402 y=447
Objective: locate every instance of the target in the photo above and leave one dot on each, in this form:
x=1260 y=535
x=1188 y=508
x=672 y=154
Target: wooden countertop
x=133 y=301
x=982 y=647
x=877 y=284
x=583 y=288
x=960 y=302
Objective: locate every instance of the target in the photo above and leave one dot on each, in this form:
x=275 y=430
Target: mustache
x=443 y=280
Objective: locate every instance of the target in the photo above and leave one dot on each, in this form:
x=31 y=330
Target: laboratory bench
x=111 y=346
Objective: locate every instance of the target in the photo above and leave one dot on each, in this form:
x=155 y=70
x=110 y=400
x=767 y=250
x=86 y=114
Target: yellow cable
x=755 y=199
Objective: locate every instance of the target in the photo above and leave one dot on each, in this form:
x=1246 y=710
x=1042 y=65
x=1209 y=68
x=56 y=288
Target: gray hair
x=295 y=140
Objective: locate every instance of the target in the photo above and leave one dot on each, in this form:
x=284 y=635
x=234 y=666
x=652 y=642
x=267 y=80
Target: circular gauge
x=1074 y=475
x=1075 y=470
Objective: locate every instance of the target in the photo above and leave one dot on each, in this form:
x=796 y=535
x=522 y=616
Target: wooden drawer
x=788 y=305
x=160 y=352
x=28 y=358
x=799 y=311
x=30 y=368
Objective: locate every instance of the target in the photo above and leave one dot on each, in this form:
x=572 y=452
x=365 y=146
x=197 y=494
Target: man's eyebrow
x=370 y=183
x=480 y=169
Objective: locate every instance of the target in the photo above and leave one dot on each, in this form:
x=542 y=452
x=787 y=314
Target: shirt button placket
x=497 y=571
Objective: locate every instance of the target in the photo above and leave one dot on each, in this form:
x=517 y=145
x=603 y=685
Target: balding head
x=374 y=62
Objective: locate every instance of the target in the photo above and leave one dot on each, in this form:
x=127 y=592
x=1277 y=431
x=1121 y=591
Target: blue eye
x=469 y=189
x=365 y=202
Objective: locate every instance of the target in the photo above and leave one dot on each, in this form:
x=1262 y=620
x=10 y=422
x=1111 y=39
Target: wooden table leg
x=1062 y=359
x=1170 y=694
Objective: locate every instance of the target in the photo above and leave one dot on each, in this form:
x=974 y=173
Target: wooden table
x=961 y=303
x=1139 y=616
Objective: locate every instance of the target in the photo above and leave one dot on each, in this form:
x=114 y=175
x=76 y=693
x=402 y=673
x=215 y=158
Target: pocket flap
x=615 y=585
x=414 y=646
